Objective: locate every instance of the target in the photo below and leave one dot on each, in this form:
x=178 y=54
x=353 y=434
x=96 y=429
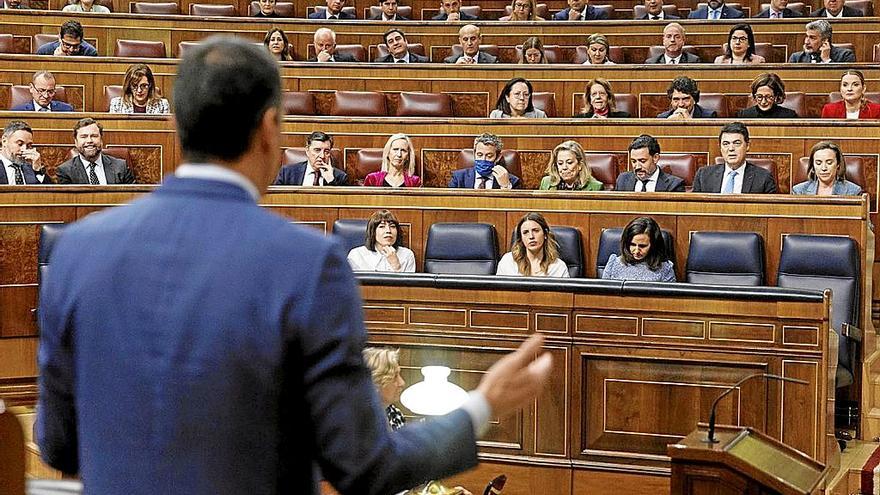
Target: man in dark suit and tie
x=580 y=10
x=450 y=10
x=398 y=49
x=332 y=12
x=654 y=12
x=21 y=161
x=735 y=175
x=325 y=48
x=674 y=38
x=836 y=9
x=646 y=176
x=684 y=95
x=388 y=12
x=487 y=172
x=42 y=90
x=470 y=38
x=778 y=9
x=317 y=170
x=91 y=166
x=715 y=10
x=194 y=342
x=818 y=48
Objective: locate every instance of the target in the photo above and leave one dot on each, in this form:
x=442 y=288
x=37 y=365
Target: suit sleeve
x=827 y=112
x=357 y=452
x=340 y=178
x=280 y=179
x=127 y=177
x=698 y=181
x=515 y=182
x=62 y=175
x=679 y=184
x=848 y=56
x=618 y=185
x=769 y=185
x=456 y=181
x=601 y=16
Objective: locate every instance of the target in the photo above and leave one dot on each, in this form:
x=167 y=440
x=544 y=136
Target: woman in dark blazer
x=599 y=101
x=854 y=105
x=768 y=91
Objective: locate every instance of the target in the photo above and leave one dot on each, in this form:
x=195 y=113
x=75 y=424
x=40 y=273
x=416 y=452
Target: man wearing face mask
x=21 y=161
x=317 y=170
x=646 y=176
x=486 y=172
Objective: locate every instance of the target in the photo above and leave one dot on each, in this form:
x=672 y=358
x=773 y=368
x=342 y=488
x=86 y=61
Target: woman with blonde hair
x=533 y=251
x=597 y=50
x=522 y=10
x=568 y=170
x=385 y=372
x=854 y=104
x=398 y=165
x=139 y=93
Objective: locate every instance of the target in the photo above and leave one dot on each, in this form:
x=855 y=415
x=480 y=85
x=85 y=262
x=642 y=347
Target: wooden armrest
x=851 y=331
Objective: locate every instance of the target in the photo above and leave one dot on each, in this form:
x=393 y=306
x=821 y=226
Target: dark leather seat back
x=358 y=52
x=714 y=101
x=41 y=39
x=6 y=43
x=609 y=243
x=461 y=249
x=545 y=102
x=603 y=167
x=682 y=165
x=140 y=49
x=866 y=7
x=369 y=160
x=297 y=155
x=168 y=8
x=20 y=95
x=358 y=104
x=571 y=250
x=298 y=103
x=424 y=105
x=49 y=234
x=726 y=258
x=628 y=103
x=283 y=9
x=111 y=92
x=826 y=262
x=855 y=170
x=208 y=9
x=350 y=232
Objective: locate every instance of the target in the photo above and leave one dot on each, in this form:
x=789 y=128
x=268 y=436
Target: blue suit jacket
x=665 y=182
x=592 y=14
x=466 y=178
x=212 y=347
x=86 y=49
x=726 y=13
x=30 y=177
x=292 y=175
x=840 y=188
x=321 y=15
x=54 y=105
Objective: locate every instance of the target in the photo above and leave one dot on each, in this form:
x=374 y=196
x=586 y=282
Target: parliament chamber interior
x=775 y=283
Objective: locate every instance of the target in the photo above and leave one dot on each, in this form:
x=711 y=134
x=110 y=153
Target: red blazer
x=377 y=178
x=837 y=110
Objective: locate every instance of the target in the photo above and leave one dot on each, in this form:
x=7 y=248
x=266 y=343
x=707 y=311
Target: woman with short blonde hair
x=385 y=371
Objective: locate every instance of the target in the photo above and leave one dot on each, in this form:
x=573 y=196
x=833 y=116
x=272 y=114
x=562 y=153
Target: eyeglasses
x=140 y=87
x=521 y=5
x=763 y=97
x=70 y=46
x=523 y=96
x=47 y=92
x=741 y=39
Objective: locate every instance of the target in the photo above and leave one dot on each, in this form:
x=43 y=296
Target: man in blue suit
x=487 y=172
x=646 y=175
x=70 y=43
x=715 y=10
x=42 y=90
x=317 y=170
x=211 y=347
x=580 y=10
x=332 y=12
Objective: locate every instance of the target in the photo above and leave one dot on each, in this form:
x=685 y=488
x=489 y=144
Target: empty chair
x=140 y=49
x=6 y=43
x=358 y=104
x=19 y=95
x=628 y=103
x=461 y=249
x=545 y=102
x=424 y=105
x=603 y=167
x=571 y=250
x=283 y=9
x=609 y=243
x=298 y=103
x=866 y=7
x=682 y=165
x=207 y=9
x=155 y=8
x=350 y=232
x=111 y=92
x=725 y=258
x=714 y=102
x=474 y=10
x=822 y=262
x=369 y=160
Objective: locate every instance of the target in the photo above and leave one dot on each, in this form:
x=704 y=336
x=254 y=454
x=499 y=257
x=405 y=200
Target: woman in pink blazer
x=398 y=165
x=854 y=105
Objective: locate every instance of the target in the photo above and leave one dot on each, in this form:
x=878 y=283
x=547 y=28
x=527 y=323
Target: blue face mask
x=483 y=168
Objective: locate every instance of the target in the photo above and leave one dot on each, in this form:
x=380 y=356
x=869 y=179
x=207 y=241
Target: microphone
x=710 y=436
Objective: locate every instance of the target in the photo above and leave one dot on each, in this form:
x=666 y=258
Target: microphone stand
x=710 y=436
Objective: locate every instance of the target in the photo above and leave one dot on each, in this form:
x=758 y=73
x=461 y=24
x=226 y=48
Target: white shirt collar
x=831 y=16
x=661 y=15
x=677 y=59
x=405 y=57
x=209 y=171
x=37 y=106
x=718 y=10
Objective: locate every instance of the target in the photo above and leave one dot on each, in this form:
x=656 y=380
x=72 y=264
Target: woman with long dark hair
x=642 y=254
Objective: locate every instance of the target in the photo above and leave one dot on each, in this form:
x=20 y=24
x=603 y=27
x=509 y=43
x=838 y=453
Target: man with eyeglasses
x=735 y=175
x=42 y=90
x=654 y=12
x=21 y=162
x=70 y=43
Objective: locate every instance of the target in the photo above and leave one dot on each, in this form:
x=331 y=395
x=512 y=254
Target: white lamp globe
x=434 y=396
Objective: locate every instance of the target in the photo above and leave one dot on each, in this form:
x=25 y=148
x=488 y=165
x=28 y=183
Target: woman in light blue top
x=642 y=254
x=827 y=173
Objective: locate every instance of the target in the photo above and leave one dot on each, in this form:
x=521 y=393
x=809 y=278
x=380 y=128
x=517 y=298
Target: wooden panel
x=521 y=479
x=615 y=483
x=795 y=335
x=606 y=324
x=659 y=327
x=18 y=303
x=741 y=332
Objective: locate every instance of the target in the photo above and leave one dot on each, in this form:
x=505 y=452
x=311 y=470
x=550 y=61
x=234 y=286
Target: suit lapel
x=79 y=171
x=3 y=178
x=748 y=178
x=662 y=182
x=717 y=178
x=298 y=174
x=470 y=177
x=108 y=169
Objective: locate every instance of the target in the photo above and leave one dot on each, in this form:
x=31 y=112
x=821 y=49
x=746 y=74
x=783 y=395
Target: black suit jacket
x=665 y=182
x=666 y=17
x=837 y=55
x=292 y=175
x=756 y=180
x=337 y=57
x=116 y=171
x=686 y=58
x=463 y=16
x=413 y=58
x=786 y=13
x=699 y=113
x=593 y=14
x=30 y=177
x=726 y=13
x=378 y=17
x=847 y=12
x=482 y=58
x=321 y=15
x=777 y=112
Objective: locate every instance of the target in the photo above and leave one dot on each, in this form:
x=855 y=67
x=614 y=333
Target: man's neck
x=673 y=55
x=736 y=166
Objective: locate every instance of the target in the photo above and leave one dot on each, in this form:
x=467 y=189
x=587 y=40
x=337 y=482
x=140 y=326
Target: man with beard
x=91 y=166
x=21 y=161
x=646 y=176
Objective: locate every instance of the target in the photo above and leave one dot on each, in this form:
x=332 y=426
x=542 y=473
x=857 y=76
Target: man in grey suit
x=91 y=166
x=836 y=9
x=674 y=38
x=470 y=38
x=735 y=175
x=646 y=176
x=398 y=49
x=209 y=346
x=818 y=48
x=325 y=47
x=778 y=9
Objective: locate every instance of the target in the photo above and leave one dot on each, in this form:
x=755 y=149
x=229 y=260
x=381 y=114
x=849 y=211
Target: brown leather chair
x=6 y=43
x=657 y=50
x=424 y=105
x=298 y=103
x=111 y=92
x=208 y=10
x=765 y=163
x=866 y=7
x=714 y=101
x=369 y=160
x=20 y=95
x=545 y=102
x=682 y=165
x=509 y=158
x=871 y=96
x=43 y=38
x=855 y=170
x=541 y=10
x=628 y=103
x=105 y=3
x=553 y=54
x=640 y=10
x=474 y=10
x=799 y=7
x=13 y=454
x=283 y=9
x=402 y=10
x=877 y=53
x=167 y=8
x=185 y=46
x=358 y=104
x=603 y=166
x=357 y=51
x=794 y=100
x=139 y=49
x=322 y=8
x=382 y=49
x=490 y=49
x=297 y=155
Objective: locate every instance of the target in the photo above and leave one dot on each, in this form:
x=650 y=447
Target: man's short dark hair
x=392 y=31
x=223 y=89
x=15 y=126
x=319 y=136
x=73 y=29
x=686 y=85
x=735 y=128
x=645 y=141
x=85 y=123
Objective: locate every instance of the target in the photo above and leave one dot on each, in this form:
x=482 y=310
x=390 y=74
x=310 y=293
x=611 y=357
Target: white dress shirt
x=737 y=180
x=99 y=168
x=362 y=259
x=10 y=172
x=651 y=185
x=38 y=108
x=714 y=14
x=669 y=60
x=829 y=15
x=508 y=267
x=309 y=177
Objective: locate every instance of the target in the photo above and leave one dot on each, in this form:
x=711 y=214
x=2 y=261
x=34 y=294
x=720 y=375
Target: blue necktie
x=731 y=178
x=714 y=15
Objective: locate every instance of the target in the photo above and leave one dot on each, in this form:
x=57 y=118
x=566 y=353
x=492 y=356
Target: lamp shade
x=434 y=395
